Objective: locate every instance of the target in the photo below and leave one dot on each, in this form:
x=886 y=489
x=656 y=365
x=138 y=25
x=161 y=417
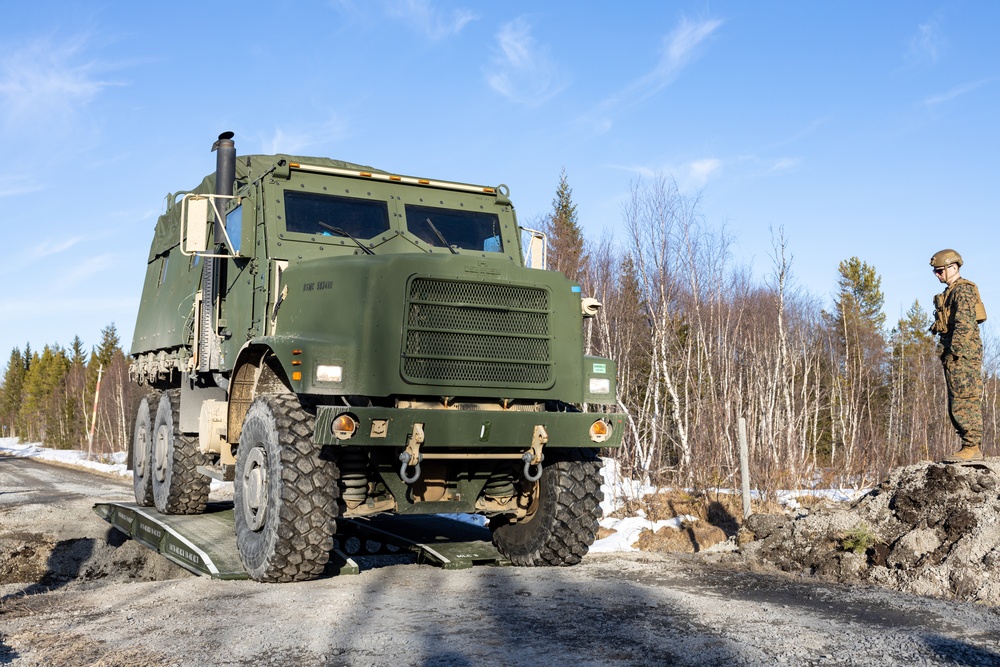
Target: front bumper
x=466 y=429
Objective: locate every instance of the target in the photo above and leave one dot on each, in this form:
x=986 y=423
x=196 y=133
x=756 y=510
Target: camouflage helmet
x=945 y=257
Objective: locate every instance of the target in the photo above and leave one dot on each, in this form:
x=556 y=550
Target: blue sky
x=859 y=128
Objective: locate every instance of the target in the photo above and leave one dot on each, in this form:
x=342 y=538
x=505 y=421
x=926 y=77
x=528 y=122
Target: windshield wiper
x=341 y=232
x=441 y=238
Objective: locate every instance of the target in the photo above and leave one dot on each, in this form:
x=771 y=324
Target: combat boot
x=966 y=453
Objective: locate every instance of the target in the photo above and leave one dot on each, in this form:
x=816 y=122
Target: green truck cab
x=341 y=341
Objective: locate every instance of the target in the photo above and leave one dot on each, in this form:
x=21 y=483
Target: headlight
x=600 y=385
x=329 y=373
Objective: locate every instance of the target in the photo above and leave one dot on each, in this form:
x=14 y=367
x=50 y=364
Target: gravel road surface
x=73 y=592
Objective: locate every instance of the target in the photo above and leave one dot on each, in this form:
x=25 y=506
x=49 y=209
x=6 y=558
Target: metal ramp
x=201 y=543
x=438 y=540
x=206 y=543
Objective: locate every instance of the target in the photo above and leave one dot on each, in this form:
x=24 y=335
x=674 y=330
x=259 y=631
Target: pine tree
x=860 y=297
x=10 y=393
x=110 y=344
x=912 y=333
x=859 y=387
x=565 y=238
x=40 y=415
x=77 y=349
x=101 y=357
x=74 y=396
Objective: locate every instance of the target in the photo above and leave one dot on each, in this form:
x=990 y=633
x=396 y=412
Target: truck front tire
x=565 y=521
x=285 y=494
x=178 y=487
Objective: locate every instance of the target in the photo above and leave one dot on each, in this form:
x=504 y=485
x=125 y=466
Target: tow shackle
x=527 y=458
x=408 y=462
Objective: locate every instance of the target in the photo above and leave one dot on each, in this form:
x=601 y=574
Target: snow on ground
x=113 y=464
x=617 y=491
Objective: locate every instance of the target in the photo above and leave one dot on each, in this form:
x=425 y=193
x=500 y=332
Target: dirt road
x=83 y=596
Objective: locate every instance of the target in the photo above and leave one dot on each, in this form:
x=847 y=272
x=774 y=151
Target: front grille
x=476 y=334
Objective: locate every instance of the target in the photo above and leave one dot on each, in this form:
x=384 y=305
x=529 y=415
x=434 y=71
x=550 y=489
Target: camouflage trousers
x=964 y=379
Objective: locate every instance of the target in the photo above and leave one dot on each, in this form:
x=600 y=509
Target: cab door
x=242 y=281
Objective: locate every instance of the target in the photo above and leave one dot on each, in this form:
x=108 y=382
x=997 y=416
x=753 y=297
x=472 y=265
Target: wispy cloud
x=926 y=44
x=48 y=79
x=85 y=270
x=46 y=249
x=700 y=171
x=784 y=164
x=303 y=138
x=433 y=23
x=680 y=48
x=11 y=186
x=66 y=271
x=955 y=92
x=801 y=134
x=22 y=309
x=694 y=175
x=690 y=176
x=521 y=69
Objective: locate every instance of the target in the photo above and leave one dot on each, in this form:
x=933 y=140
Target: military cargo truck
x=341 y=341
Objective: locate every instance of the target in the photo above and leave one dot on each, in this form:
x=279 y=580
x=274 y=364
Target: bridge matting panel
x=206 y=543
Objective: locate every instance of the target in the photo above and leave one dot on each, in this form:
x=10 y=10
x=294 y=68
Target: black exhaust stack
x=225 y=174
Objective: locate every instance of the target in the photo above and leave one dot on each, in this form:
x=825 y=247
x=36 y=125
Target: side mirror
x=535 y=247
x=194 y=219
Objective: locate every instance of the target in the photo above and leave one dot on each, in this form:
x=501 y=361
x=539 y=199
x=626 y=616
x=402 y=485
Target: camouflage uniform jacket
x=958 y=314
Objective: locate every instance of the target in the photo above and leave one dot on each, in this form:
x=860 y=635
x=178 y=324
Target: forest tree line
x=700 y=343
x=49 y=396
x=831 y=396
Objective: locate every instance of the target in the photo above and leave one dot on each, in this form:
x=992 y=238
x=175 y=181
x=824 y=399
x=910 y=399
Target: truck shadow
x=520 y=618
x=7 y=653
x=65 y=564
x=89 y=559
x=958 y=652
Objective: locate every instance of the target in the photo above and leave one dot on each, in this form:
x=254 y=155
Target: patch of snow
x=113 y=464
x=628 y=530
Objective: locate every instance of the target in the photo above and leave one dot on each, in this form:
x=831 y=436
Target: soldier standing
x=958 y=311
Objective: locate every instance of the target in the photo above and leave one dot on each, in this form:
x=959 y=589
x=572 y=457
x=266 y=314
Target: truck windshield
x=469 y=230
x=361 y=218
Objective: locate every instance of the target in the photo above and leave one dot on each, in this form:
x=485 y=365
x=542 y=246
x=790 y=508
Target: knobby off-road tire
x=142 y=450
x=564 y=524
x=285 y=495
x=178 y=487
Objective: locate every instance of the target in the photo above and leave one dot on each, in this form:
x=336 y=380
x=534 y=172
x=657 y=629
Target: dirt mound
x=930 y=529
x=43 y=563
x=688 y=539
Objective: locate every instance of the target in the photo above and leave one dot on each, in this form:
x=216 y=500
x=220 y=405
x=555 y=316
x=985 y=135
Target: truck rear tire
x=564 y=523
x=178 y=487
x=142 y=452
x=284 y=495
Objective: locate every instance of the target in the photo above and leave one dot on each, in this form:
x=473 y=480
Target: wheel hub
x=254 y=484
x=160 y=452
x=140 y=455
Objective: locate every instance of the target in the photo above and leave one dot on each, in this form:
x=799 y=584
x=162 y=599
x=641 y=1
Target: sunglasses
x=941 y=269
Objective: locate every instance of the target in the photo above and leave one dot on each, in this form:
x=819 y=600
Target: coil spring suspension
x=500 y=485
x=353 y=465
